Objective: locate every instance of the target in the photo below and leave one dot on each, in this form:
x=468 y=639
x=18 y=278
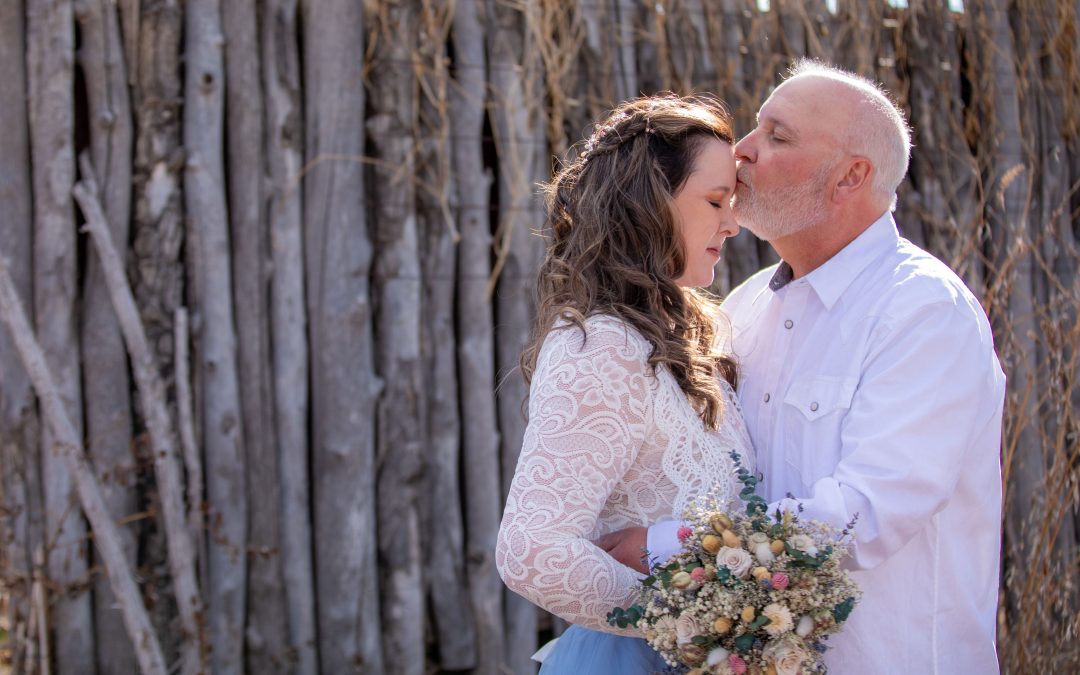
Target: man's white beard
x=781 y=212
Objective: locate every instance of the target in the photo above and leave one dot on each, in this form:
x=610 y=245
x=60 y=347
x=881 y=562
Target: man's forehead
x=798 y=103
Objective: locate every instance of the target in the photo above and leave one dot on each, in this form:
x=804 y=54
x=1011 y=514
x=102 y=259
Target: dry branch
x=397 y=292
x=443 y=526
x=192 y=460
x=344 y=386
x=20 y=486
x=70 y=450
x=50 y=41
x=106 y=380
x=162 y=436
x=518 y=126
x=476 y=337
x=288 y=318
x=266 y=624
x=222 y=431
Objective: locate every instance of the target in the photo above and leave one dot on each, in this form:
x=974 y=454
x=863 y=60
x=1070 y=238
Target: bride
x=632 y=411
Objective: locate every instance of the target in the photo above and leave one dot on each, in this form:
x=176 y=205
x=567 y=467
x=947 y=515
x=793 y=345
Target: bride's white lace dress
x=609 y=445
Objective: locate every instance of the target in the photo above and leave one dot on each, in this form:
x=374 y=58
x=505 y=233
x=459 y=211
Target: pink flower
x=780 y=581
x=736 y=663
x=684 y=533
x=698 y=574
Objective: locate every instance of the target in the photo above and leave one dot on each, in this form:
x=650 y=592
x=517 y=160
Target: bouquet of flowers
x=747 y=593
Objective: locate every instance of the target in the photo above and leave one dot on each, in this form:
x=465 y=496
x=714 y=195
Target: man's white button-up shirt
x=871 y=386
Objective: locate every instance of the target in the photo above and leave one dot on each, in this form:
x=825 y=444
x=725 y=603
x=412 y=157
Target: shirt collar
x=831 y=279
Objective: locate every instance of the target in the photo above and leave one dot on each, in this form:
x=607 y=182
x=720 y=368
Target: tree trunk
x=216 y=344
x=284 y=157
x=443 y=530
x=50 y=55
x=520 y=143
x=152 y=53
x=344 y=384
x=157 y=273
x=476 y=340
x=401 y=410
x=266 y=631
x=105 y=370
x=20 y=487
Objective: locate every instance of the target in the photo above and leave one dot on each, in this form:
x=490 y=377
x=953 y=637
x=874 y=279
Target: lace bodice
x=609 y=445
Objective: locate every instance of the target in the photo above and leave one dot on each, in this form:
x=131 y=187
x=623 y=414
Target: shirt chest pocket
x=814 y=409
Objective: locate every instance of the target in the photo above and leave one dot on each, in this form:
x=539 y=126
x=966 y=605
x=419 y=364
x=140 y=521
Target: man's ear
x=854 y=179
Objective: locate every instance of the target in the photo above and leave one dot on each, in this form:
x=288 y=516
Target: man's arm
x=630 y=546
x=927 y=389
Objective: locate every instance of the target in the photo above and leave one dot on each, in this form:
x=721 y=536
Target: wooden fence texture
x=331 y=206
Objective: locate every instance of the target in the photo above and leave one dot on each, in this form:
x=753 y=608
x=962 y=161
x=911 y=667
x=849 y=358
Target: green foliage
x=843 y=610
x=745 y=643
x=625 y=618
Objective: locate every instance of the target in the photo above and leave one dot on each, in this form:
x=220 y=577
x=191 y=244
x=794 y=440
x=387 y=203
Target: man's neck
x=812 y=247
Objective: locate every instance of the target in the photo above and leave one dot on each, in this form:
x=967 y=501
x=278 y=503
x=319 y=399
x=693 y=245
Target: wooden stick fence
x=292 y=386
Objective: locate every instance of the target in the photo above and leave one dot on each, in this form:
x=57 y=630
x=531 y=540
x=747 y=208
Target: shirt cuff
x=662 y=541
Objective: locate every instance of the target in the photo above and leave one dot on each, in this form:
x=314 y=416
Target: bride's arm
x=590 y=404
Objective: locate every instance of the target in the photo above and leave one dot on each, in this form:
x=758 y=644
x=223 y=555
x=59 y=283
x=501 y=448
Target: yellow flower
x=748 y=614
x=731 y=540
x=722 y=625
x=721 y=522
x=711 y=543
x=681 y=580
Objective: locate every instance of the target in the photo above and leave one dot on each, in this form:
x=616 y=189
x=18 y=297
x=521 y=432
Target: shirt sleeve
x=928 y=390
x=662 y=540
x=590 y=404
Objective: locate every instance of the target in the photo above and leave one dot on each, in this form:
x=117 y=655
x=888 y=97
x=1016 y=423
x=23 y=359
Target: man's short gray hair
x=879 y=132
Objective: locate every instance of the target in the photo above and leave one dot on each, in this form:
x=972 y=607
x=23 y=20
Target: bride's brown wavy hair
x=615 y=248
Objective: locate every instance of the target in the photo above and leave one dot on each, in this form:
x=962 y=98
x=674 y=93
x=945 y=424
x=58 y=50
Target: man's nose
x=744 y=149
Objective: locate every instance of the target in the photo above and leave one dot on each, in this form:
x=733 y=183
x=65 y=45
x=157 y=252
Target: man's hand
x=627 y=546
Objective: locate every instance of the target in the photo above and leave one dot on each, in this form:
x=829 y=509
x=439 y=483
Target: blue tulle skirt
x=581 y=651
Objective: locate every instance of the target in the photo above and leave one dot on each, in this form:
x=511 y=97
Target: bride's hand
x=627 y=546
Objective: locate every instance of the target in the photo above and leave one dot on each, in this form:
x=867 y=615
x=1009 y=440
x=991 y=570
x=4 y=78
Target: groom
x=869 y=381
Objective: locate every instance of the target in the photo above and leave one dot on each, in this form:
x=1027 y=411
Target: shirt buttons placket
x=788 y=324
x=767 y=397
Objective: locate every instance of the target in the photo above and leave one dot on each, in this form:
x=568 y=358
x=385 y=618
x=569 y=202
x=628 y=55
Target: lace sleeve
x=590 y=404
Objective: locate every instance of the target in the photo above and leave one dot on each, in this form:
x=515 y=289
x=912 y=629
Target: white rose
x=686 y=629
x=803 y=542
x=785 y=656
x=737 y=560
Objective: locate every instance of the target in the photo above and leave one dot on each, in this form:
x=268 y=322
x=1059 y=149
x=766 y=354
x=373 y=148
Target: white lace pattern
x=609 y=445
